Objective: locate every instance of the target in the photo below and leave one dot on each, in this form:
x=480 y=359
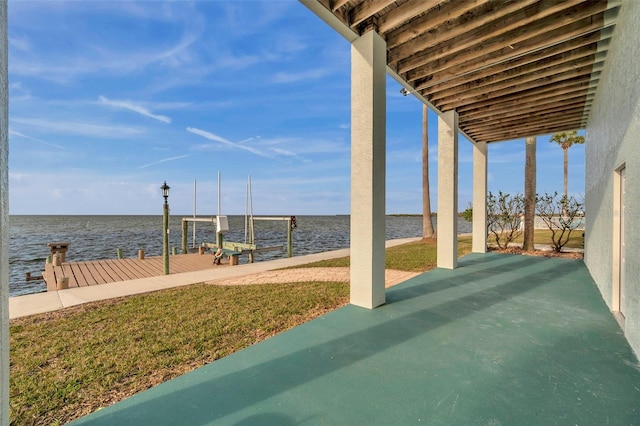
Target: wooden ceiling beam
x=534 y=132
x=554 y=64
x=443 y=13
x=337 y=4
x=518 y=113
x=531 y=95
x=588 y=43
x=545 y=115
x=367 y=9
x=465 y=99
x=493 y=35
x=469 y=90
x=494 y=53
x=569 y=123
x=486 y=17
x=529 y=106
x=403 y=13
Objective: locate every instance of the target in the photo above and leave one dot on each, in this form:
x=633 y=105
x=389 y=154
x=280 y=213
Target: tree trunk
x=529 y=193
x=427 y=222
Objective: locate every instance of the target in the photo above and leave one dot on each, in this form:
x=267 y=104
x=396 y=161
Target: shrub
x=561 y=215
x=504 y=216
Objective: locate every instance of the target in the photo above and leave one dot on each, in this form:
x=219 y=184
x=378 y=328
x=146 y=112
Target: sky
x=110 y=99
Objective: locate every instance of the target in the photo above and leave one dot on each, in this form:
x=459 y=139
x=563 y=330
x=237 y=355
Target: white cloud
x=163 y=161
x=75 y=128
x=22 y=135
x=132 y=107
x=20 y=43
x=216 y=138
x=284 y=152
x=292 y=77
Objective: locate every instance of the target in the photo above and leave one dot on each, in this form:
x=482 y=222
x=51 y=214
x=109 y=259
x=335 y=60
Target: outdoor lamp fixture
x=165 y=228
x=165 y=191
x=403 y=92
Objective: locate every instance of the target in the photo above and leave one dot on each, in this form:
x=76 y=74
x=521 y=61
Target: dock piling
x=141 y=254
x=119 y=253
x=62 y=283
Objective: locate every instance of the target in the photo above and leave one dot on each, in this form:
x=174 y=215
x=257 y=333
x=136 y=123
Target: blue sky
x=110 y=99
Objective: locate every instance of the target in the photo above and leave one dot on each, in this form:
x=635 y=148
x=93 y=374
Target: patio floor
x=502 y=340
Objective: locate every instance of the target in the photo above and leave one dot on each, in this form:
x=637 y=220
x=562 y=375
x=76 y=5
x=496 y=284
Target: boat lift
x=221 y=225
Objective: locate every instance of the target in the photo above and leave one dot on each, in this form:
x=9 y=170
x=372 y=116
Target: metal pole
x=165 y=237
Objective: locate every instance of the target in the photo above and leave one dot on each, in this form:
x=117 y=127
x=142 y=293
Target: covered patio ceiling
x=510 y=68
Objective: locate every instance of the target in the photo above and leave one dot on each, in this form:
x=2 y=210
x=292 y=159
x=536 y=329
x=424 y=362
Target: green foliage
x=504 y=217
x=567 y=139
x=468 y=213
x=561 y=215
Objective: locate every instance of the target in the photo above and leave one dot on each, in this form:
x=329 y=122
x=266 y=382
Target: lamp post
x=165 y=228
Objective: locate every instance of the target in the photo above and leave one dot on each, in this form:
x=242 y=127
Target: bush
x=561 y=215
x=504 y=216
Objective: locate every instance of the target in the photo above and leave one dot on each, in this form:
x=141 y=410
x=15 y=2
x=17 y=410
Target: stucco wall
x=613 y=139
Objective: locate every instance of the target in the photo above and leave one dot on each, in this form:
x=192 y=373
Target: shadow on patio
x=503 y=339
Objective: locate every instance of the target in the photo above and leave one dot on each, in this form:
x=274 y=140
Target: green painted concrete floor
x=502 y=340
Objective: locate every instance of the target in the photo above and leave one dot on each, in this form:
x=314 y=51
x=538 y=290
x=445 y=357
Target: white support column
x=447 y=228
x=368 y=128
x=4 y=218
x=479 y=197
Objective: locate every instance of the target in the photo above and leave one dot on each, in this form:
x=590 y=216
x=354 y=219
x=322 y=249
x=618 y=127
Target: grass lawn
x=72 y=362
x=419 y=256
x=543 y=236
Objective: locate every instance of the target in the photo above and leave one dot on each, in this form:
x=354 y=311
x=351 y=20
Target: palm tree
x=566 y=140
x=427 y=223
x=529 y=193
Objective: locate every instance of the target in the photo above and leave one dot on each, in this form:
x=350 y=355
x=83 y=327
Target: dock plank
x=139 y=268
x=86 y=273
x=67 y=271
x=96 y=272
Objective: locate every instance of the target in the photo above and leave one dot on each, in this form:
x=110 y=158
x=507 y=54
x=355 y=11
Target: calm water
x=98 y=237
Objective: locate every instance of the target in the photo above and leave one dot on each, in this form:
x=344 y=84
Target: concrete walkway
x=21 y=306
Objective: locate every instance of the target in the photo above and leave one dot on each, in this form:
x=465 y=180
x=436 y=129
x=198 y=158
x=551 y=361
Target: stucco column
x=368 y=127
x=479 y=198
x=447 y=228
x=4 y=218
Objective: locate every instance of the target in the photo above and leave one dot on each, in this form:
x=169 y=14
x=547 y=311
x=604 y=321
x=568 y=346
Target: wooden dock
x=95 y=272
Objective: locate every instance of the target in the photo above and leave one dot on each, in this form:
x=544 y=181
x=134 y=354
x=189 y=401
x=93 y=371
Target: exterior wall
x=4 y=218
x=613 y=139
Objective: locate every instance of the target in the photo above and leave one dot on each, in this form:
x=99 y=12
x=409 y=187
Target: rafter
x=537 y=94
x=403 y=13
x=514 y=81
x=589 y=43
x=492 y=13
x=489 y=115
x=366 y=9
x=443 y=13
x=475 y=39
x=466 y=99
